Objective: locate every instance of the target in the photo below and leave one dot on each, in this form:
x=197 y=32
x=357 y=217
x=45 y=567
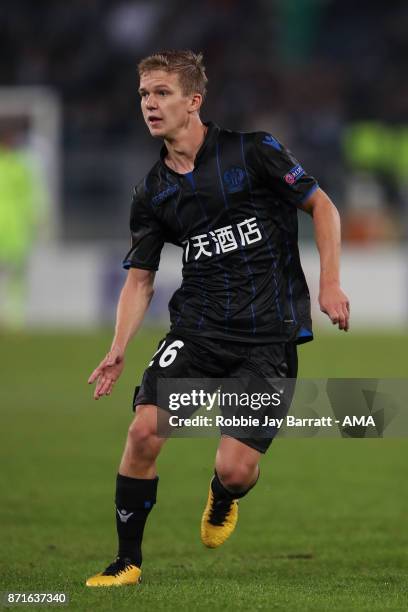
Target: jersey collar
x=209 y=140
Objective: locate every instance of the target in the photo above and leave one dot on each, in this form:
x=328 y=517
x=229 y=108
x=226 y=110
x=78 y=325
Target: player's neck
x=183 y=148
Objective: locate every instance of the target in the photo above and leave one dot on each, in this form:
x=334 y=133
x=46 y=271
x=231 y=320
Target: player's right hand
x=107 y=372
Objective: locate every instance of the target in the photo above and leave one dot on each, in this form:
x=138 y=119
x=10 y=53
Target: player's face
x=165 y=108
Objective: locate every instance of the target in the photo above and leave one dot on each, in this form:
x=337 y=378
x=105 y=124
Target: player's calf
x=143 y=445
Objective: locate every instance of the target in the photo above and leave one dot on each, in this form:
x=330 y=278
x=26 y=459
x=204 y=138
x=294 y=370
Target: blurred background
x=325 y=81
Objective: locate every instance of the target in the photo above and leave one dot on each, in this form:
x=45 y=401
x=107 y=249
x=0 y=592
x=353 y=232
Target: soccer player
x=229 y=200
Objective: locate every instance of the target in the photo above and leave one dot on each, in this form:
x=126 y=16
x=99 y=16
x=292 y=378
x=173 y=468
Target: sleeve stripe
x=309 y=192
x=128 y=263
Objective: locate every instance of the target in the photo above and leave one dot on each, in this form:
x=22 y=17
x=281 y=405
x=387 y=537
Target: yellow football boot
x=218 y=520
x=121 y=572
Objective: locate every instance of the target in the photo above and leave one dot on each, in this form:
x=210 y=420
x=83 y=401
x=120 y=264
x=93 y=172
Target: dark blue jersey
x=235 y=217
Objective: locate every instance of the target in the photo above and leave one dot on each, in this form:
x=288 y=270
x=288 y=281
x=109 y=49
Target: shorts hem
x=251 y=442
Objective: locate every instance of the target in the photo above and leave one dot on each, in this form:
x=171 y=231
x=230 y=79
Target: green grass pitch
x=325 y=529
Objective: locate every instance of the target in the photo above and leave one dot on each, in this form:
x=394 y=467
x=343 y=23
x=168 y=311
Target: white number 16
x=169 y=354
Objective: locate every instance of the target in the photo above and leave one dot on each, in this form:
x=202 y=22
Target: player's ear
x=195 y=102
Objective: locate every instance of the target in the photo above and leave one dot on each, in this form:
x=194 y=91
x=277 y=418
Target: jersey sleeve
x=282 y=171
x=147 y=238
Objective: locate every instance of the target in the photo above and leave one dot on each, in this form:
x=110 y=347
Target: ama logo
x=234 y=179
x=293 y=175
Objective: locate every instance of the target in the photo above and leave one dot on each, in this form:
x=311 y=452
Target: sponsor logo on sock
x=123 y=516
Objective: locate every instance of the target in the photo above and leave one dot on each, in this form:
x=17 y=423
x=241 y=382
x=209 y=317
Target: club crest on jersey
x=234 y=179
x=293 y=175
x=165 y=194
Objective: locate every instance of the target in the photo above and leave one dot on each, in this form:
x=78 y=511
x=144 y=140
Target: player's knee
x=141 y=435
x=237 y=477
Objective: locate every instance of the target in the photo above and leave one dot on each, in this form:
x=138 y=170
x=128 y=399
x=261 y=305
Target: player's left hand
x=335 y=303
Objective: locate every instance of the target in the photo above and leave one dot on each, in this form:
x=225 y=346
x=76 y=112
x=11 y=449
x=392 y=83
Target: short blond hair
x=187 y=64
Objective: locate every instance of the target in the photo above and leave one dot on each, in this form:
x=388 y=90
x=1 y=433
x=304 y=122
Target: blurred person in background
x=20 y=212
